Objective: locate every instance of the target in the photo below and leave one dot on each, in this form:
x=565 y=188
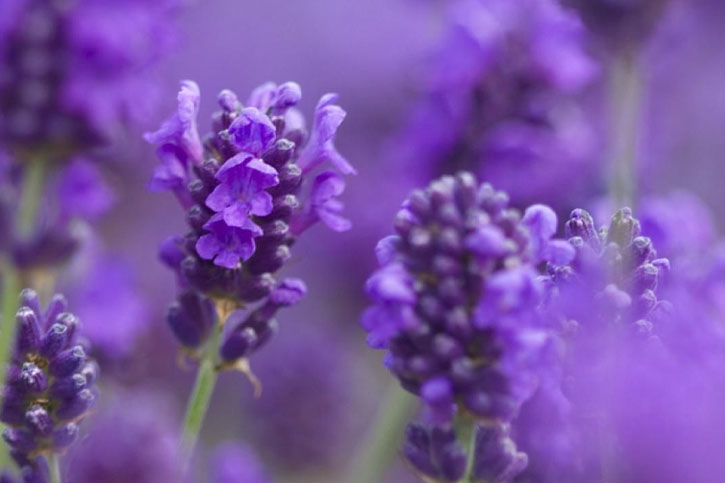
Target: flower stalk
x=206 y=377
x=625 y=84
x=380 y=447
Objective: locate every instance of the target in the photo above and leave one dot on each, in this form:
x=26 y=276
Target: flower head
x=455 y=298
x=49 y=386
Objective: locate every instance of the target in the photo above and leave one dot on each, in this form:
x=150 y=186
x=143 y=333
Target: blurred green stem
x=625 y=82
x=54 y=468
x=466 y=434
x=381 y=445
x=31 y=193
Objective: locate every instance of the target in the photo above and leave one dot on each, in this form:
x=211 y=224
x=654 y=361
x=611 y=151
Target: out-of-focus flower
x=235 y=463
x=132 y=438
x=306 y=415
x=73 y=73
x=499 y=101
x=49 y=383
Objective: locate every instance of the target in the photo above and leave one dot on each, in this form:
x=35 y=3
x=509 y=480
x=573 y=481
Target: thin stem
x=625 y=98
x=200 y=396
x=8 y=306
x=54 y=468
x=30 y=196
x=466 y=434
x=380 y=447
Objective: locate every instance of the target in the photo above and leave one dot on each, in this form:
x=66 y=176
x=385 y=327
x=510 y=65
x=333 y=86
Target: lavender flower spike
x=49 y=385
x=455 y=299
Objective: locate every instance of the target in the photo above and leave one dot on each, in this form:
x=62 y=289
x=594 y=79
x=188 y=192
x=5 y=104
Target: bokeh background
x=322 y=385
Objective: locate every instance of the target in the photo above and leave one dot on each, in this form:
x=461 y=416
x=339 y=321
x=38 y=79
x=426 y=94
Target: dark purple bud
x=416 y=448
x=623 y=228
x=496 y=456
x=264 y=261
x=452 y=461
x=170 y=252
x=90 y=372
x=54 y=341
x=446 y=347
x=207 y=171
x=76 y=406
x=12 y=410
x=29 y=298
x=581 y=224
x=68 y=387
x=238 y=343
x=67 y=362
x=645 y=277
x=257 y=287
x=290 y=177
x=280 y=153
x=198 y=191
x=196 y=217
x=642 y=250
x=58 y=304
x=32 y=378
x=419 y=204
x=71 y=322
x=39 y=421
x=284 y=206
x=19 y=439
x=191 y=318
x=65 y=435
x=274 y=231
x=28 y=330
x=265 y=332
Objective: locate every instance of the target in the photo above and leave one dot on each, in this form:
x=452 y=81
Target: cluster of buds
x=50 y=382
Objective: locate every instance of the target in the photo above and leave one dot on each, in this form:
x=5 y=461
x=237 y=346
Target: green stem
x=380 y=447
x=54 y=467
x=625 y=98
x=8 y=306
x=466 y=434
x=200 y=396
x=30 y=196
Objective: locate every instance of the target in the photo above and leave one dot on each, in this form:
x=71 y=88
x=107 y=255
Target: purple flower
x=48 y=370
x=456 y=297
x=324 y=205
x=241 y=192
x=499 y=101
x=110 y=304
x=270 y=96
x=110 y=451
x=82 y=192
x=252 y=131
x=320 y=147
x=178 y=139
x=307 y=424
x=74 y=74
x=227 y=245
x=236 y=463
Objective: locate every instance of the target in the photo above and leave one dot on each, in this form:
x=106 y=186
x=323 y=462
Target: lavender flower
x=235 y=463
x=309 y=423
x=436 y=453
x=71 y=74
x=242 y=191
x=614 y=276
x=49 y=385
x=111 y=451
x=75 y=196
x=456 y=297
x=499 y=101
